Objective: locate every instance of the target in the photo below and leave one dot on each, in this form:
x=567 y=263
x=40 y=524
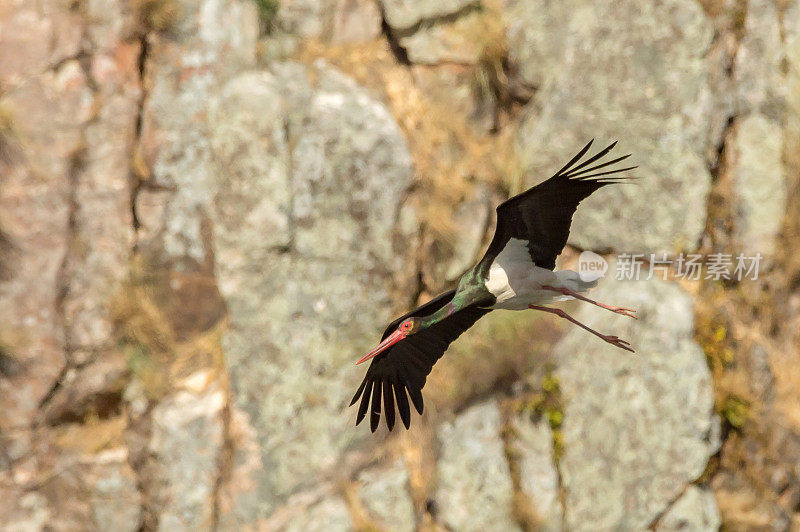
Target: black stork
x=516 y=273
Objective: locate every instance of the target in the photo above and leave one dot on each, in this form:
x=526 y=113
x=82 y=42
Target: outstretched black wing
x=403 y=368
x=542 y=215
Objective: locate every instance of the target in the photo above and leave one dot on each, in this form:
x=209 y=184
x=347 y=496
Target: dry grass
x=755 y=445
x=787 y=293
x=91 y=437
x=750 y=333
x=7 y=253
x=497 y=89
x=158 y=358
x=144 y=336
x=157 y=15
x=733 y=12
x=740 y=511
x=720 y=215
x=9 y=135
x=362 y=521
x=724 y=329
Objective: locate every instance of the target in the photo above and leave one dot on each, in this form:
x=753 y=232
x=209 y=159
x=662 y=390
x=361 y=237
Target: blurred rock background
x=209 y=209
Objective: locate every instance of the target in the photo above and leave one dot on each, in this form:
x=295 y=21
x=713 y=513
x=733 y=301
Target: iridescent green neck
x=471 y=290
x=439 y=315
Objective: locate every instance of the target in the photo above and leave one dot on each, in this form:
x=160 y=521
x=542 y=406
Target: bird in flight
x=516 y=273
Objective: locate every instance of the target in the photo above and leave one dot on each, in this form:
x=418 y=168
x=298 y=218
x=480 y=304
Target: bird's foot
x=614 y=340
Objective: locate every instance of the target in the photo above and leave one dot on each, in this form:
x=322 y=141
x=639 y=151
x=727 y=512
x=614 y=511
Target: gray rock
x=330 y=515
x=258 y=207
x=86 y=480
x=34 y=192
x=637 y=427
x=64 y=196
x=355 y=21
x=116 y=503
x=212 y=41
x=532 y=444
x=237 y=498
x=757 y=71
x=24 y=512
x=102 y=234
x=303 y=18
x=762 y=95
x=537 y=34
x=695 y=510
x=354 y=138
x=647 y=86
x=70 y=93
x=337 y=21
x=385 y=495
x=404 y=14
x=790 y=28
x=34 y=216
x=759 y=183
x=475 y=491
x=186 y=442
x=36 y=37
x=310 y=180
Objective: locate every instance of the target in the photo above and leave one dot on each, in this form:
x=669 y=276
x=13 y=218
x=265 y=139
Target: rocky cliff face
x=209 y=209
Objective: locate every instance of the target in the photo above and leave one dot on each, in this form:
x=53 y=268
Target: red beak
x=383 y=346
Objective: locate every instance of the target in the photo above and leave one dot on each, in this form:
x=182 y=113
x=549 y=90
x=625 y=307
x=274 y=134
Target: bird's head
x=406 y=328
x=409 y=326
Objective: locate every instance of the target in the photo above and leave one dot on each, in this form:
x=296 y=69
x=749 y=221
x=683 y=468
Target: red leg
x=568 y=292
x=613 y=340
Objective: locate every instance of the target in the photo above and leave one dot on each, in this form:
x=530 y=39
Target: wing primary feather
x=358 y=392
x=576 y=158
x=625 y=180
x=402 y=403
x=388 y=404
x=598 y=167
x=375 y=411
x=362 y=408
x=416 y=398
x=593 y=158
x=587 y=177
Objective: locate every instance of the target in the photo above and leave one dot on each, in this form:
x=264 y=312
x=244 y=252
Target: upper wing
x=542 y=215
x=405 y=366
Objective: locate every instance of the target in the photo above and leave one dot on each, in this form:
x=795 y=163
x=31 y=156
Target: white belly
x=516 y=281
x=515 y=288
